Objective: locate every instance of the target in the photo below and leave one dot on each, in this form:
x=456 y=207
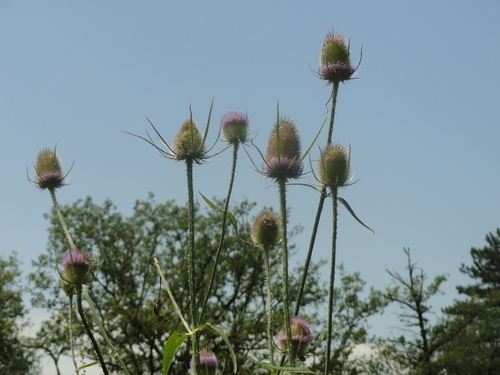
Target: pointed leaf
x=299 y=370
x=346 y=205
x=173 y=344
x=230 y=216
x=222 y=334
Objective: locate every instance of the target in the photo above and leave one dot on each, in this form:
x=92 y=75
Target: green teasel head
x=189 y=143
x=48 y=171
x=265 y=229
x=334 y=166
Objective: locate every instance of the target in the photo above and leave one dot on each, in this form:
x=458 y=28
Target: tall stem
x=284 y=261
x=312 y=241
x=87 y=328
x=191 y=268
x=332 y=280
x=270 y=342
x=70 y=329
x=223 y=230
x=103 y=331
x=61 y=219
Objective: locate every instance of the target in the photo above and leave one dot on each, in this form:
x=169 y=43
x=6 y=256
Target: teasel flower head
x=266 y=228
x=334 y=166
x=234 y=127
x=301 y=336
x=335 y=64
x=282 y=158
x=48 y=171
x=189 y=143
x=77 y=266
x=208 y=363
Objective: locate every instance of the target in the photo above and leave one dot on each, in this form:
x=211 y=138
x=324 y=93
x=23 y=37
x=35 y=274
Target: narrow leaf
x=346 y=205
x=299 y=370
x=173 y=344
x=222 y=334
x=230 y=216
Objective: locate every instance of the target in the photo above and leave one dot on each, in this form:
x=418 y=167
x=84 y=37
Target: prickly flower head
x=301 y=336
x=208 y=363
x=48 y=171
x=334 y=166
x=234 y=127
x=335 y=63
x=77 y=265
x=282 y=159
x=266 y=229
x=188 y=143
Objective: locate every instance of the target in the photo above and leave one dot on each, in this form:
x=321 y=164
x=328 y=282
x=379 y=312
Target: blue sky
x=422 y=119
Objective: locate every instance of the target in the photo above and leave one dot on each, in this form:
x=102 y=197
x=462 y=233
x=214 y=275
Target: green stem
x=103 y=331
x=332 y=280
x=87 y=328
x=284 y=261
x=223 y=230
x=191 y=268
x=70 y=329
x=269 y=306
x=333 y=98
x=61 y=219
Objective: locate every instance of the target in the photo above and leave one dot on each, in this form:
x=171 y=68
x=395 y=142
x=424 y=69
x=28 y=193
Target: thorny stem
x=284 y=257
x=61 y=219
x=332 y=280
x=223 y=230
x=269 y=305
x=87 y=328
x=70 y=329
x=191 y=267
x=103 y=331
x=333 y=97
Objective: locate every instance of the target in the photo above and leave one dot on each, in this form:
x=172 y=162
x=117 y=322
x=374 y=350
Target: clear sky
x=422 y=119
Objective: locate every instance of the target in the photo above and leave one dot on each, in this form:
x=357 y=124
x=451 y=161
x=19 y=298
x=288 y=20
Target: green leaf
x=222 y=334
x=346 y=205
x=230 y=216
x=298 y=370
x=91 y=364
x=173 y=344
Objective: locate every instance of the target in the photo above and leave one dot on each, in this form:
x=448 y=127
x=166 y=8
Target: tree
x=415 y=351
x=15 y=357
x=127 y=284
x=474 y=323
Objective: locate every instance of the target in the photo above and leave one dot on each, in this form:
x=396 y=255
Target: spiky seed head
x=265 y=230
x=282 y=159
x=335 y=65
x=208 y=363
x=334 y=166
x=301 y=336
x=289 y=140
x=48 y=171
x=77 y=266
x=189 y=142
x=235 y=127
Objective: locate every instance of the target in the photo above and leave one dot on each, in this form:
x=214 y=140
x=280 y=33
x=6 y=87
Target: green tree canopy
x=15 y=357
x=127 y=284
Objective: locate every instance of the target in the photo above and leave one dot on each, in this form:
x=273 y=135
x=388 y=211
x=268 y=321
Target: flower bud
x=335 y=59
x=208 y=363
x=189 y=142
x=265 y=230
x=301 y=336
x=334 y=166
x=77 y=265
x=282 y=158
x=234 y=127
x=48 y=171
